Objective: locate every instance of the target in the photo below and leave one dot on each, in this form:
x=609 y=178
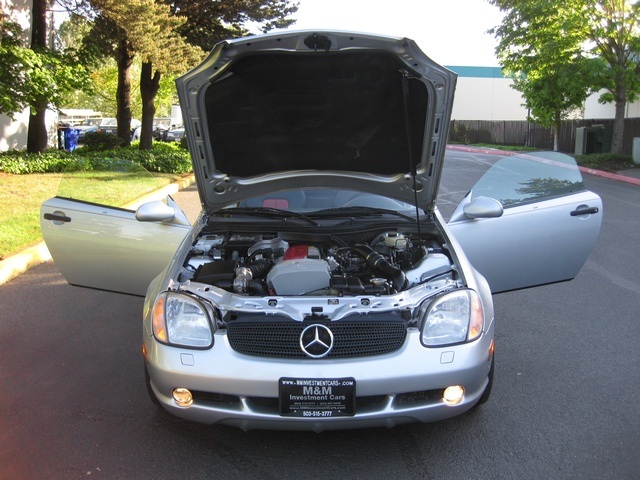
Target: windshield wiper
x=266 y=212
x=357 y=211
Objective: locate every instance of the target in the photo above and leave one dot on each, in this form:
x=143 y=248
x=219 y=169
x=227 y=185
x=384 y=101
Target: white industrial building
x=483 y=93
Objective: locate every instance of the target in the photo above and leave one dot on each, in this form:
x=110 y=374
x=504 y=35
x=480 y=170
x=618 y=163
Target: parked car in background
x=160 y=128
x=104 y=125
x=94 y=125
x=135 y=134
x=109 y=126
x=321 y=288
x=112 y=127
x=175 y=134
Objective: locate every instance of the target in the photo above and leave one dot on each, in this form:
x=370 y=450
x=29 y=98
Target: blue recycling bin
x=70 y=138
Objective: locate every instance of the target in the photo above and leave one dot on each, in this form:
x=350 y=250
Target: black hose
x=381 y=266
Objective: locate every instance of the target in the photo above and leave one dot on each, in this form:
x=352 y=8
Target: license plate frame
x=317 y=397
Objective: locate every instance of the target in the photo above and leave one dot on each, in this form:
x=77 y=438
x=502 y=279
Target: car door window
x=523 y=179
x=113 y=182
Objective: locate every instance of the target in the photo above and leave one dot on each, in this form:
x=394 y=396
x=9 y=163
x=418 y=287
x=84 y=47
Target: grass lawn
x=22 y=195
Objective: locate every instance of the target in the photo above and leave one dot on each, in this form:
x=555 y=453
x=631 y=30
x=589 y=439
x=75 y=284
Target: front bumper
x=240 y=390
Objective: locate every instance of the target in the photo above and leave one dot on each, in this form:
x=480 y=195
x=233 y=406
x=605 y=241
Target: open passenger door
x=528 y=221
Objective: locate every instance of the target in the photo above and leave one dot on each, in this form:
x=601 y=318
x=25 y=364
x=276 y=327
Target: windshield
x=90 y=122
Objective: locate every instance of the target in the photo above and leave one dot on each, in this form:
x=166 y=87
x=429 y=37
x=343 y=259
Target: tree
x=162 y=34
x=35 y=77
x=614 y=28
x=151 y=30
x=540 y=46
x=210 y=21
x=107 y=39
x=13 y=97
x=37 y=138
x=566 y=49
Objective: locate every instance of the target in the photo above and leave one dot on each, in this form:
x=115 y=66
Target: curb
x=611 y=176
x=17 y=264
x=590 y=171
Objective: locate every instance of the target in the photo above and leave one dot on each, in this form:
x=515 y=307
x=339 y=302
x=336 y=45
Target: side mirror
x=156 y=211
x=483 y=207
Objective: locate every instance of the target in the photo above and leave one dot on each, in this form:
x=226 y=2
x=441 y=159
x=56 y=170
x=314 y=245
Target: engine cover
x=298 y=277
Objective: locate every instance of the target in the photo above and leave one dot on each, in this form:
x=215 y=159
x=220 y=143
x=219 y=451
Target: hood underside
x=316 y=109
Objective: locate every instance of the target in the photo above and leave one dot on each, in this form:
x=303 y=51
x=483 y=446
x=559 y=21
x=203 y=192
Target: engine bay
x=292 y=264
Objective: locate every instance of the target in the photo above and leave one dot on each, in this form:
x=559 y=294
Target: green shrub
x=605 y=157
x=53 y=161
x=611 y=162
x=162 y=158
x=484 y=136
x=510 y=148
x=462 y=133
x=459 y=133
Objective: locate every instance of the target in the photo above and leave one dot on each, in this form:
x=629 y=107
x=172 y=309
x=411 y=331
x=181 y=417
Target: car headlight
x=181 y=320
x=455 y=317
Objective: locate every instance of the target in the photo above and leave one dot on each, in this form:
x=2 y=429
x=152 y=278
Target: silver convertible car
x=321 y=288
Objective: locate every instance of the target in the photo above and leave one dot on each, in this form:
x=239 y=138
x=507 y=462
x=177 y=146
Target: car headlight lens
x=181 y=320
x=456 y=317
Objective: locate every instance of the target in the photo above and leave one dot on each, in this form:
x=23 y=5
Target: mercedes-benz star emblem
x=316 y=341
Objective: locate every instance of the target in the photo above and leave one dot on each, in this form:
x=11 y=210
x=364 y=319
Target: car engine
x=287 y=265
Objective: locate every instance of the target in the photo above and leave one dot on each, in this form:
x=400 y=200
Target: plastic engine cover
x=298 y=277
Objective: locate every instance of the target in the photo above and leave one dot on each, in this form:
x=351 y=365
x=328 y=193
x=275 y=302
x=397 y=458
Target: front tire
x=487 y=391
x=152 y=395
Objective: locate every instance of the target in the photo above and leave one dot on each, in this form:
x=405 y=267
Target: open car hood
x=317 y=109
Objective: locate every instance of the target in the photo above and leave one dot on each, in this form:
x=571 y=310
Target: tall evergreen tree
x=210 y=21
x=164 y=34
x=151 y=30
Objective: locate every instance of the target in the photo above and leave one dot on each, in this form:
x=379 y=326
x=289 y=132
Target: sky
x=451 y=32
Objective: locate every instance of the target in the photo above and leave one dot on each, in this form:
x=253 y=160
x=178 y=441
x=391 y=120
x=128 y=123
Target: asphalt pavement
x=19 y=263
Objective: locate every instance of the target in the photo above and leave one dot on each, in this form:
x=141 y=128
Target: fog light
x=453 y=395
x=183 y=397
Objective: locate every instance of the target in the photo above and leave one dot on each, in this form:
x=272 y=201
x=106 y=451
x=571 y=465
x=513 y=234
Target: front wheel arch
x=484 y=398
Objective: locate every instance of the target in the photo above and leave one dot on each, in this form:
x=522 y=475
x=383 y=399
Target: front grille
x=361 y=402
x=428 y=396
x=218 y=398
x=280 y=338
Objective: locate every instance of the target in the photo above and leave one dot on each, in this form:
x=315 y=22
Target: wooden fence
x=520 y=133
